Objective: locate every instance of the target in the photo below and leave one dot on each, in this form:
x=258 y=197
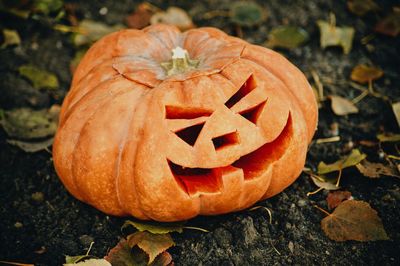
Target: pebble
x=291 y=246
x=103 y=11
x=301 y=203
x=18 y=225
x=38 y=196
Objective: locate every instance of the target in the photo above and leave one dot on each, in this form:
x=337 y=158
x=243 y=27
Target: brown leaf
x=334 y=198
x=361 y=7
x=390 y=25
x=152 y=244
x=354 y=220
x=173 y=16
x=342 y=106
x=140 y=18
x=375 y=170
x=364 y=74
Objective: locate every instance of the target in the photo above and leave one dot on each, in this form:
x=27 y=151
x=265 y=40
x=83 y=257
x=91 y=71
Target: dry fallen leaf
x=91 y=31
x=352 y=159
x=154 y=227
x=123 y=255
x=364 y=74
x=286 y=37
x=26 y=123
x=152 y=244
x=31 y=146
x=362 y=7
x=90 y=262
x=390 y=25
x=335 y=36
x=342 y=106
x=140 y=18
x=354 y=220
x=11 y=37
x=325 y=183
x=375 y=170
x=396 y=111
x=388 y=137
x=247 y=13
x=334 y=198
x=173 y=16
x=40 y=78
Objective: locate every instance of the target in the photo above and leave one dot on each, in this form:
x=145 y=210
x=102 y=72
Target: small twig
x=339 y=177
x=328 y=140
x=90 y=247
x=314 y=192
x=265 y=208
x=360 y=97
x=270 y=241
x=322 y=210
x=196 y=228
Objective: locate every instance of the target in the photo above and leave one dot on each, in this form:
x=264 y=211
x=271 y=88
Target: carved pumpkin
x=160 y=132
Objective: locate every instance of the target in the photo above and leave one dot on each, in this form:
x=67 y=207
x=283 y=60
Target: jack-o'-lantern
x=165 y=125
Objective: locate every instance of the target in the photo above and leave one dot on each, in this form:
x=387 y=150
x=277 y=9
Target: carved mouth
x=196 y=181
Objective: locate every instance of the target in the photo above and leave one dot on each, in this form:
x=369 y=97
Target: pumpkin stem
x=180 y=62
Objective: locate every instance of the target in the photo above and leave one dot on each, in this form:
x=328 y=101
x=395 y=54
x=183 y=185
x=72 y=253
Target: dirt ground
x=60 y=225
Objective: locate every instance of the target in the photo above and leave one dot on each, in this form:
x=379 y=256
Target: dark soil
x=61 y=225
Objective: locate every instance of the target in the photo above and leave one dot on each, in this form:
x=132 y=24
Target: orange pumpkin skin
x=135 y=140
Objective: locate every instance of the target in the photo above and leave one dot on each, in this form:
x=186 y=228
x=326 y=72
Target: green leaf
x=361 y=7
x=156 y=228
x=26 y=123
x=247 y=14
x=39 y=78
x=91 y=31
x=47 y=6
x=11 y=37
x=287 y=37
x=152 y=244
x=335 y=36
x=351 y=160
x=388 y=137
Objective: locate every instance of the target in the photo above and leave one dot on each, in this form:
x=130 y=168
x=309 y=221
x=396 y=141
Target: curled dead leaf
x=330 y=35
x=390 y=25
x=362 y=7
x=140 y=18
x=364 y=74
x=354 y=220
x=375 y=170
x=334 y=198
x=342 y=106
x=173 y=16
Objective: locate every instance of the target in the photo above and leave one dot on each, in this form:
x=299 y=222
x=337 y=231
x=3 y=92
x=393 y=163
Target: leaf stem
x=322 y=210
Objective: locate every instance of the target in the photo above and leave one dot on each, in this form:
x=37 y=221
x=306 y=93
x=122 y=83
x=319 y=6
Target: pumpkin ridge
x=74 y=163
x=121 y=150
